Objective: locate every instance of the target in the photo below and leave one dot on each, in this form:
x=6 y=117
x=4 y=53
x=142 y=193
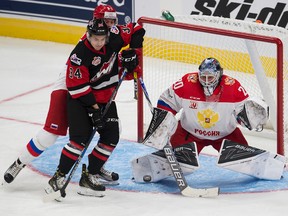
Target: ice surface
x=28 y=68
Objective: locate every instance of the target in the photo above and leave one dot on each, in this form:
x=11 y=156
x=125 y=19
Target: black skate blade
x=91 y=193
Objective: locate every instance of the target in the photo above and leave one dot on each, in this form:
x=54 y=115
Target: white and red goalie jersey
x=204 y=117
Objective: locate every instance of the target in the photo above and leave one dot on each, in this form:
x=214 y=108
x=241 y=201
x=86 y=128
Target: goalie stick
x=185 y=189
x=61 y=193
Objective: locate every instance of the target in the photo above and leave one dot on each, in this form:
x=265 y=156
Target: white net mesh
x=171 y=52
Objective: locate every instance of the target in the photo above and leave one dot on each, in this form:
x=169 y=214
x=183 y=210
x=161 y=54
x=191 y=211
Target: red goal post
x=172 y=49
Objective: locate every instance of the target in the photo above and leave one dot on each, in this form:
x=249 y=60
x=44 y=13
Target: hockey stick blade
x=198 y=192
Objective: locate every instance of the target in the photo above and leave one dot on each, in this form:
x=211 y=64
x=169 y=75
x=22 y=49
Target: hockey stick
x=61 y=193
x=185 y=189
x=135 y=85
x=146 y=94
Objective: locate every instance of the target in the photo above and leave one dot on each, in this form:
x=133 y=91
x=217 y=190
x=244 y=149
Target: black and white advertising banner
x=273 y=12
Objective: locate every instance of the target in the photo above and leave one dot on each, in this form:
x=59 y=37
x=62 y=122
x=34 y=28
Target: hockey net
x=253 y=53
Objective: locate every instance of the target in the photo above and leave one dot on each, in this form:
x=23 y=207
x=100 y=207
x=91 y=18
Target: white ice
x=34 y=65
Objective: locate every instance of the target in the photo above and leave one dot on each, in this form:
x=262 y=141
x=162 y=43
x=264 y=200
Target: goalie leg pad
x=155 y=167
x=273 y=166
x=251 y=161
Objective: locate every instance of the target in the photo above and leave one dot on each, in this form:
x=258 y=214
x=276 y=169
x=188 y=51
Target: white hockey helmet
x=210 y=73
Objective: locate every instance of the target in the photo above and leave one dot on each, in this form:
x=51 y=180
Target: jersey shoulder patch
x=229 y=80
x=192 y=78
x=115 y=30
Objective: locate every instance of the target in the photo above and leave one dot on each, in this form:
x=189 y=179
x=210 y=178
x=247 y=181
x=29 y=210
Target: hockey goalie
x=212 y=106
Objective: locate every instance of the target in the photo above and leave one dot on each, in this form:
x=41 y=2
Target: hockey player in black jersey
x=56 y=123
x=91 y=77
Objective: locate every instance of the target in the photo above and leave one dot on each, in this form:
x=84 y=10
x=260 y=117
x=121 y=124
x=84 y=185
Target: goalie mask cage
x=253 y=53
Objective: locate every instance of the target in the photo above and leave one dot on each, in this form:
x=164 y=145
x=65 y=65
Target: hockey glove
x=95 y=115
x=129 y=59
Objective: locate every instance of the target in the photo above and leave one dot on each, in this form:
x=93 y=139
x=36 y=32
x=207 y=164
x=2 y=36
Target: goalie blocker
x=162 y=125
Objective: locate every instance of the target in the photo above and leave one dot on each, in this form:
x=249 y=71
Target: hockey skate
x=13 y=171
x=56 y=183
x=108 y=178
x=90 y=184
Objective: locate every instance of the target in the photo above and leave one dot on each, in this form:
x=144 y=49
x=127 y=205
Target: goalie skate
x=90 y=184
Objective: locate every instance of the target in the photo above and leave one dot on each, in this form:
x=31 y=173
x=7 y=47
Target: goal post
x=250 y=52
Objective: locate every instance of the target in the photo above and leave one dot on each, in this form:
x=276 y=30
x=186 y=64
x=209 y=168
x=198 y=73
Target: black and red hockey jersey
x=92 y=75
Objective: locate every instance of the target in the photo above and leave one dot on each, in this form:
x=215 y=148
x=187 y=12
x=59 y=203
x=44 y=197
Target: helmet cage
x=209 y=78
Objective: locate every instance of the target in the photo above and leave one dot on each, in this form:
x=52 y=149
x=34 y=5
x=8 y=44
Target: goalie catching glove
x=254 y=115
x=129 y=59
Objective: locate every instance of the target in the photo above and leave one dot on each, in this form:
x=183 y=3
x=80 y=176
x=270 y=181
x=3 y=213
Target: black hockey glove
x=129 y=59
x=95 y=115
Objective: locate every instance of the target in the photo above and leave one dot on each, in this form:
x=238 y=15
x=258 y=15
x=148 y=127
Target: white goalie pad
x=254 y=114
x=251 y=161
x=163 y=124
x=155 y=167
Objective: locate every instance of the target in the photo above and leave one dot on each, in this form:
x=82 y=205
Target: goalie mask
x=210 y=73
